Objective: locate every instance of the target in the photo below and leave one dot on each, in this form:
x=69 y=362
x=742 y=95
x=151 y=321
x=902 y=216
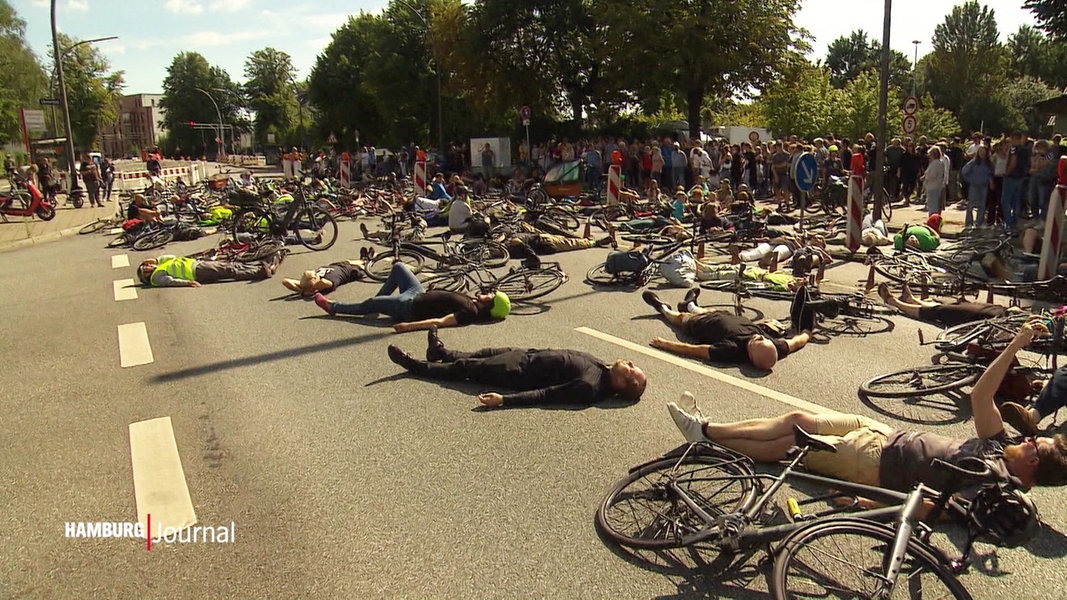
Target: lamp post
x=222 y=132
x=66 y=51
x=915 y=66
x=878 y=179
x=437 y=70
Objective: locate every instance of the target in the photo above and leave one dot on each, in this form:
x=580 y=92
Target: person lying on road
x=139 y=208
x=945 y=315
x=416 y=308
x=538 y=377
x=324 y=280
x=873 y=453
x=528 y=237
x=724 y=337
x=181 y=271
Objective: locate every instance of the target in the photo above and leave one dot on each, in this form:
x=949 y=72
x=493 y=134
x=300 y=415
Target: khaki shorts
x=859 y=442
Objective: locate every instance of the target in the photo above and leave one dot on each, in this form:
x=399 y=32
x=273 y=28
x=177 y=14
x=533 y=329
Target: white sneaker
x=691 y=427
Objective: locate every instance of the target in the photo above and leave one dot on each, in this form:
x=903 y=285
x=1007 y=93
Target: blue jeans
x=976 y=195
x=385 y=303
x=1039 y=194
x=1054 y=395
x=1011 y=201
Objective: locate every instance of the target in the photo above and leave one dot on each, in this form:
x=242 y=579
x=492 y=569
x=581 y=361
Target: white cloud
x=40 y=3
x=228 y=5
x=184 y=7
x=80 y=5
x=216 y=38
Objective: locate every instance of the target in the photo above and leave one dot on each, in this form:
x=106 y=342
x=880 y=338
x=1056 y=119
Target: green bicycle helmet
x=501 y=306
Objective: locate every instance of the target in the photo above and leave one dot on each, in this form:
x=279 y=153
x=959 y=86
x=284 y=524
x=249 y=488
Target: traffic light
x=192 y=123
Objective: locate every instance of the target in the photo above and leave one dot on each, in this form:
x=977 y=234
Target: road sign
x=805 y=171
x=753 y=136
x=1051 y=121
x=909 y=124
x=525 y=113
x=34 y=120
x=331 y=139
x=911 y=104
x=49 y=101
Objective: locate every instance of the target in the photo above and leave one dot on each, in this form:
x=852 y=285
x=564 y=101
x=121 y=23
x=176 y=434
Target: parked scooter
x=28 y=202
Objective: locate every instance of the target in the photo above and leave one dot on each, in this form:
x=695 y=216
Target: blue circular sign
x=805 y=172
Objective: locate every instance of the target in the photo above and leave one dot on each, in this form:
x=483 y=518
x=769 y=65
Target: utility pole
x=878 y=180
x=915 y=66
x=58 y=55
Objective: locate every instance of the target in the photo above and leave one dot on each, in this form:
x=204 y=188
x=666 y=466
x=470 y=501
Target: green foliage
x=1051 y=15
x=803 y=103
x=270 y=92
x=1021 y=96
x=848 y=56
x=1032 y=54
x=933 y=122
x=184 y=103
x=93 y=93
x=22 y=79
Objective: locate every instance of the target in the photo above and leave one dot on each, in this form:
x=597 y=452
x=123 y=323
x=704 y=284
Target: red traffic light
x=192 y=123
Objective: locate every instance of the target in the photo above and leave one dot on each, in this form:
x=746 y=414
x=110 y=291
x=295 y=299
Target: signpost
x=911 y=104
x=909 y=124
x=49 y=101
x=331 y=139
x=804 y=172
x=753 y=136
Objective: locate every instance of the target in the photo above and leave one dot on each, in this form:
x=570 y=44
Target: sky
x=152 y=32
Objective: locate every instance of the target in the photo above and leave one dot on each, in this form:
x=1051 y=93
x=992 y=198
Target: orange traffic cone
x=588 y=234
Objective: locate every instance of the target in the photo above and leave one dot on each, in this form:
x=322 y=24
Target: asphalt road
x=345 y=478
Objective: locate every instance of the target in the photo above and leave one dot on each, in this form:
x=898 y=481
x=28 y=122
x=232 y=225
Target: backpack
x=626 y=262
x=184 y=233
x=679 y=269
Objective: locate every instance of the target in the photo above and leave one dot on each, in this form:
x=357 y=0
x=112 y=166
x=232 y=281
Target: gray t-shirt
x=907 y=458
x=780 y=162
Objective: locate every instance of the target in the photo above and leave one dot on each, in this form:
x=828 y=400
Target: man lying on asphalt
x=324 y=280
x=539 y=377
x=417 y=308
x=181 y=271
x=873 y=453
x=945 y=315
x=723 y=337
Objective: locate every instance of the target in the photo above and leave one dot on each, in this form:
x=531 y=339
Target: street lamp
x=915 y=66
x=222 y=132
x=437 y=69
x=66 y=51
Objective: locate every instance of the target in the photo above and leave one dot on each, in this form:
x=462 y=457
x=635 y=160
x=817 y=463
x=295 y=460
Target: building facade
x=139 y=126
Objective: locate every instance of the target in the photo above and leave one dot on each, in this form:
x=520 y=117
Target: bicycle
x=313 y=227
x=534 y=279
x=656 y=248
x=707 y=494
x=478 y=251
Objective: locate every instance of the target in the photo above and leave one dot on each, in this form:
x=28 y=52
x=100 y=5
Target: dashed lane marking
x=125 y=289
x=134 y=349
x=708 y=372
x=159 y=486
x=119 y=261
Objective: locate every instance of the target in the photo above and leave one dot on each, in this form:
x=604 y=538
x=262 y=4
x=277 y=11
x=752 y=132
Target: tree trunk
x=694 y=99
x=577 y=106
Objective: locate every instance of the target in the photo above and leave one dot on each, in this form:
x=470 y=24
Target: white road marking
x=125 y=289
x=134 y=348
x=686 y=363
x=159 y=486
x=119 y=261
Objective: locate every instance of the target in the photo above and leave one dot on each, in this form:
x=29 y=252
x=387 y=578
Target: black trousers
x=491 y=366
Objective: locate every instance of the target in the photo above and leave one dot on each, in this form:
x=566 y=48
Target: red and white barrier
x=420 y=178
x=855 y=213
x=614 y=184
x=1053 y=240
x=346 y=170
x=138 y=180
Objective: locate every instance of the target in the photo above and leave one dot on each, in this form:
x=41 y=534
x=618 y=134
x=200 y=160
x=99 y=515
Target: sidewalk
x=20 y=232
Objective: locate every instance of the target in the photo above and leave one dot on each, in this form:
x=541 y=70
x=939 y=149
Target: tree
x=933 y=122
x=857 y=113
x=1032 y=54
x=336 y=85
x=22 y=80
x=802 y=102
x=698 y=49
x=270 y=91
x=184 y=103
x=1051 y=15
x=93 y=93
x=965 y=73
x=1021 y=95
x=848 y=56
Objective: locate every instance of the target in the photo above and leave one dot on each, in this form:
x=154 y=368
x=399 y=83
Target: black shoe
x=653 y=300
x=398 y=356
x=364 y=231
x=435 y=348
x=691 y=296
x=363 y=254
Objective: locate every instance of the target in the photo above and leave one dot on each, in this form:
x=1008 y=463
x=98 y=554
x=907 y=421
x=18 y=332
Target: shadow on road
x=237 y=363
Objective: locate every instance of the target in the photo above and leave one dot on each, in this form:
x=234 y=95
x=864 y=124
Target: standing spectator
x=909 y=170
x=633 y=166
x=678 y=165
x=736 y=166
x=90 y=175
x=1011 y=195
x=666 y=147
x=152 y=164
x=108 y=174
x=646 y=165
x=488 y=160
x=592 y=160
x=1041 y=179
x=726 y=165
x=972 y=149
x=955 y=160
x=935 y=180
x=748 y=165
x=657 y=163
x=893 y=156
x=978 y=177
x=1001 y=154
x=403 y=159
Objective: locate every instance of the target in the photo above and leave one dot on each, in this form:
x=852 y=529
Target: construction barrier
x=346 y=170
x=614 y=184
x=1054 y=222
x=420 y=178
x=855 y=213
x=138 y=180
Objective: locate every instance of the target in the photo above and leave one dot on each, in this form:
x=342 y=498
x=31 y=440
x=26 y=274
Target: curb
x=41 y=239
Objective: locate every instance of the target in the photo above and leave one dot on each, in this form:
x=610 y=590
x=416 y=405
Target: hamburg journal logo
x=194 y=534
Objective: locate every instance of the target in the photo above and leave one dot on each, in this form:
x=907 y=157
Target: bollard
x=855 y=212
x=420 y=178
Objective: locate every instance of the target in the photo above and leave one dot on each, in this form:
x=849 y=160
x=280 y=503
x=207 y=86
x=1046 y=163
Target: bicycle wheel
x=599 y=276
x=919 y=381
x=317 y=229
x=527 y=285
x=156 y=239
x=260 y=251
x=93 y=227
x=120 y=241
x=483 y=252
x=251 y=225
x=848 y=559
x=645 y=510
x=378 y=268
x=451 y=282
x=900 y=268
x=563 y=217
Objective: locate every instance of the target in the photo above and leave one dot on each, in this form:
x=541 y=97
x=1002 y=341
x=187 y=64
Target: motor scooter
x=28 y=202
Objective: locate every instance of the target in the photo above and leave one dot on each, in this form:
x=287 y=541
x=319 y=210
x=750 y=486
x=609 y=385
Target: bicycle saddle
x=805 y=440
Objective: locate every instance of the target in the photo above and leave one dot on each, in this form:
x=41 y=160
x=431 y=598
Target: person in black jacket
x=539 y=377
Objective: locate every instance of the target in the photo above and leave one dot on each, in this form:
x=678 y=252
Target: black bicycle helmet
x=1004 y=516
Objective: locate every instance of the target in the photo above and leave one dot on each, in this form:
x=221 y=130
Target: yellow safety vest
x=179 y=268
